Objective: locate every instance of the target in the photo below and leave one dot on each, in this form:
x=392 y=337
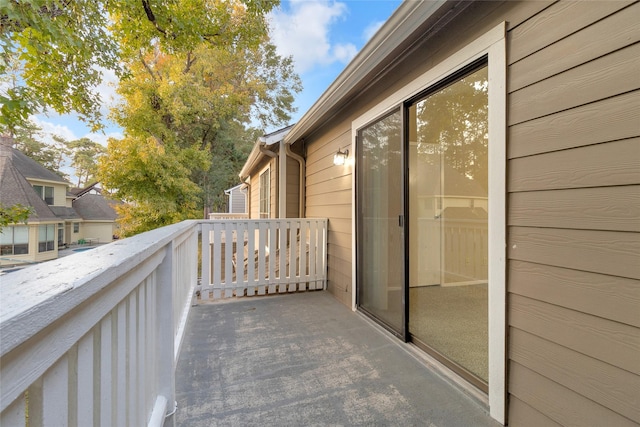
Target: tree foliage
x=153 y=180
x=29 y=140
x=13 y=214
x=197 y=106
x=53 y=52
x=85 y=154
x=193 y=74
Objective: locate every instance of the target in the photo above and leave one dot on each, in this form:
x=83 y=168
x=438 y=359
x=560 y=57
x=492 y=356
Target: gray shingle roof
x=15 y=189
x=64 y=212
x=29 y=168
x=95 y=207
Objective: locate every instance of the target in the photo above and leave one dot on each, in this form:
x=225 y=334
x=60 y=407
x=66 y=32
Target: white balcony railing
x=93 y=338
x=249 y=257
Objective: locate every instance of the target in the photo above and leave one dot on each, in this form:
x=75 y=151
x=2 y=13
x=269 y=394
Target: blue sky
x=321 y=36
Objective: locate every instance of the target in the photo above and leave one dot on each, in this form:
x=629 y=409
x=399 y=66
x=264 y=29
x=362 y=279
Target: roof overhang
x=256 y=154
x=407 y=22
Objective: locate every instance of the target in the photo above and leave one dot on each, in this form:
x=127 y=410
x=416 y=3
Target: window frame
x=264 y=204
x=49 y=242
x=43 y=190
x=13 y=245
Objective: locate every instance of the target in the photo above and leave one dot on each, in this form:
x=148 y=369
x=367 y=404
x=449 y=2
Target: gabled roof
x=15 y=189
x=261 y=144
x=29 y=168
x=95 y=207
x=77 y=192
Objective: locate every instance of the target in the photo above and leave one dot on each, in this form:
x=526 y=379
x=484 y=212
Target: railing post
x=165 y=325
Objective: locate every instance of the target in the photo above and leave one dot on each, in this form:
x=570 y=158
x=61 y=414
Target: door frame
x=493 y=45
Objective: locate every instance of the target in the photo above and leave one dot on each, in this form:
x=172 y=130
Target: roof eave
x=405 y=20
x=256 y=154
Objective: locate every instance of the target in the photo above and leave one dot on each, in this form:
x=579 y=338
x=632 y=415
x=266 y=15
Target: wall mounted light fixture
x=340 y=157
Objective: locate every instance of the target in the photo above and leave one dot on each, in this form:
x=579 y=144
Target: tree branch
x=190 y=62
x=151 y=17
x=146 y=66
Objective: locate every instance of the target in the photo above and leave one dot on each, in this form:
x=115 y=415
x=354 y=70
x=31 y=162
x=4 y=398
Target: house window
x=45 y=193
x=46 y=240
x=14 y=240
x=265 y=194
x=76 y=227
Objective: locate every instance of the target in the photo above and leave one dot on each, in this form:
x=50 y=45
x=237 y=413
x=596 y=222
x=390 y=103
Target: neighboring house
x=24 y=181
x=99 y=217
x=237 y=199
x=59 y=217
x=535 y=106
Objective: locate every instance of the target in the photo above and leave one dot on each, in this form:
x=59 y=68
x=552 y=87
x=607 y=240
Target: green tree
x=153 y=180
x=197 y=105
x=84 y=159
x=28 y=140
x=13 y=214
x=53 y=52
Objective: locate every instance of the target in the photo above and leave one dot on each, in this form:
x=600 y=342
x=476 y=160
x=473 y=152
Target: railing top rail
x=263 y=220
x=38 y=295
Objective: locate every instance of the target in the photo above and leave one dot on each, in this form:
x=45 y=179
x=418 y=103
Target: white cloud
x=304 y=33
x=107 y=90
x=49 y=129
x=371 y=30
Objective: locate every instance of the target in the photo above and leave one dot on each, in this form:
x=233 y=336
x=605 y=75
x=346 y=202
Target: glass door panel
x=448 y=222
x=380 y=207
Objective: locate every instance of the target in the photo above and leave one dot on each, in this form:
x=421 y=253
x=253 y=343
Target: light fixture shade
x=340 y=157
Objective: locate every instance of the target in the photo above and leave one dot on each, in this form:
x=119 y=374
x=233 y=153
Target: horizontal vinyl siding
x=573 y=209
x=254 y=196
x=328 y=195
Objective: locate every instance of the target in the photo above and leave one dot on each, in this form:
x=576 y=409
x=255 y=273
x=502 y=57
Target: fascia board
x=404 y=21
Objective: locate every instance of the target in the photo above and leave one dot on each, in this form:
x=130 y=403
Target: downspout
x=301 y=161
x=282 y=181
x=247 y=196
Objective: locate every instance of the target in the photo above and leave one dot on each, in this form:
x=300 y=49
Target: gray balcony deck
x=302 y=360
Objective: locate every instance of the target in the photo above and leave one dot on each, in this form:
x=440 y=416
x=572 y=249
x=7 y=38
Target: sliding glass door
x=448 y=222
x=427 y=280
x=380 y=233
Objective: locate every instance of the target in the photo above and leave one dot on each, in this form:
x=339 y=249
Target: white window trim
x=492 y=44
x=262 y=172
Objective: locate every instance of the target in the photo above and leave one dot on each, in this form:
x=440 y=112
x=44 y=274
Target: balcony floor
x=305 y=359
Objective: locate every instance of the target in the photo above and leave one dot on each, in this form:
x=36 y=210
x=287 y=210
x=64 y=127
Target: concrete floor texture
x=307 y=360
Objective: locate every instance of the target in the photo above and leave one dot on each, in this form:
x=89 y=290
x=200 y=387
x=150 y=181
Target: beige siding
x=573 y=197
x=293 y=188
x=328 y=195
x=574 y=204
x=103 y=231
x=254 y=196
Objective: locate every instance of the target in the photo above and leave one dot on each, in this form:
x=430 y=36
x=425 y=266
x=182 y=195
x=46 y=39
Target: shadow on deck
x=305 y=359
